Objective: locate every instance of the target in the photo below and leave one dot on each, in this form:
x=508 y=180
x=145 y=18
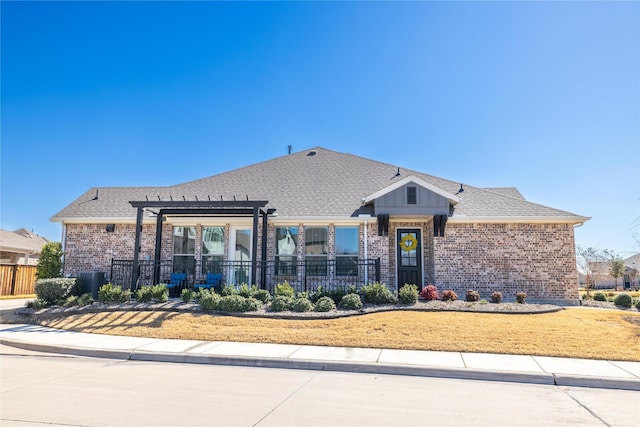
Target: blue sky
x=543 y=96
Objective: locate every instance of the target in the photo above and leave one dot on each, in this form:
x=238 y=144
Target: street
x=42 y=389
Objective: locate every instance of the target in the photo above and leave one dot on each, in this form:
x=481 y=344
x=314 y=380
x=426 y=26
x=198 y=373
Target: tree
x=616 y=268
x=50 y=261
x=588 y=260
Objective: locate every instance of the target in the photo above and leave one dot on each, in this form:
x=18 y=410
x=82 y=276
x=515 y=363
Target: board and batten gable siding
x=427 y=202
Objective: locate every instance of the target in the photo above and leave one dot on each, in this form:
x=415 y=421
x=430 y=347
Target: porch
x=303 y=276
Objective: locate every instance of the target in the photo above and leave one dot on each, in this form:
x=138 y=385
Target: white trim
x=411 y=179
x=518 y=220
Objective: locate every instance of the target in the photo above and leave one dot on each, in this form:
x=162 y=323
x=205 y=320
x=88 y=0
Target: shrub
x=208 y=300
x=187 y=295
x=281 y=303
x=317 y=294
x=599 y=296
x=301 y=305
x=284 y=289
x=521 y=297
x=71 y=301
x=496 y=297
x=229 y=290
x=623 y=300
x=351 y=302
x=54 y=291
x=429 y=293
x=144 y=294
x=408 y=294
x=483 y=301
x=160 y=293
x=638 y=305
x=449 y=295
x=247 y=291
x=36 y=304
x=325 y=304
x=157 y=293
x=85 y=299
x=109 y=293
x=50 y=261
x=377 y=293
x=472 y=296
x=238 y=303
x=262 y=295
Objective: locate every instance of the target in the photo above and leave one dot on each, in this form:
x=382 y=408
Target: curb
x=336 y=366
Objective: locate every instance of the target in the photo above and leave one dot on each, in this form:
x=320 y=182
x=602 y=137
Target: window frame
x=316 y=264
x=347 y=262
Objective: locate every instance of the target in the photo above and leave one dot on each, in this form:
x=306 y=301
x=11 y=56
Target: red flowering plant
x=429 y=293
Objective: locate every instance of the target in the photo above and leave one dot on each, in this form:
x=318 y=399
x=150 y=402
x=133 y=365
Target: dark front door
x=409 y=247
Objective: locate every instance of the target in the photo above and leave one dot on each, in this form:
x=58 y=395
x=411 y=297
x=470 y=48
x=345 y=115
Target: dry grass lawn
x=574 y=332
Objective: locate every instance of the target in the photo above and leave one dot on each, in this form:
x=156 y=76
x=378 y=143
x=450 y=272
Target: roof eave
x=461 y=219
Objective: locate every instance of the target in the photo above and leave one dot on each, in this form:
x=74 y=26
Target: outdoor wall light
x=111 y=228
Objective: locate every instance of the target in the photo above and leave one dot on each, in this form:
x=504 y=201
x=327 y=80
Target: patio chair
x=213 y=280
x=177 y=280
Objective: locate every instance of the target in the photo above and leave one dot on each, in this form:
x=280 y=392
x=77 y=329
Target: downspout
x=64 y=245
x=366 y=252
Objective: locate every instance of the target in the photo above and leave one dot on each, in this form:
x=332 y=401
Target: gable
x=411 y=196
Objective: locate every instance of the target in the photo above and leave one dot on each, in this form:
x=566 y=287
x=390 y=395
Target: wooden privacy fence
x=17 y=279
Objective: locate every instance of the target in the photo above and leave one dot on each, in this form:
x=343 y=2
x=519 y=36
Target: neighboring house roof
x=633 y=262
x=312 y=183
x=21 y=241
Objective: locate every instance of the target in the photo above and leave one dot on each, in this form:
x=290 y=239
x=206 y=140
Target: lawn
x=574 y=332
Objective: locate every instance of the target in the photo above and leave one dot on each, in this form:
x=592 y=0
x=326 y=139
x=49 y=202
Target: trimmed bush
x=36 y=304
x=85 y=299
x=599 y=296
x=408 y=294
x=351 y=302
x=262 y=295
x=54 y=291
x=187 y=295
x=472 y=296
x=144 y=294
x=282 y=303
x=208 y=300
x=301 y=305
x=156 y=293
x=108 y=293
x=238 y=303
x=377 y=293
x=229 y=290
x=429 y=293
x=496 y=297
x=325 y=304
x=317 y=294
x=623 y=300
x=638 y=305
x=521 y=297
x=449 y=295
x=284 y=289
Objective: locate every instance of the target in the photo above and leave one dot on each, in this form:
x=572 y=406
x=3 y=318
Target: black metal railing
x=303 y=276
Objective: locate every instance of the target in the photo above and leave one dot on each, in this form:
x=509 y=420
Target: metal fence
x=303 y=276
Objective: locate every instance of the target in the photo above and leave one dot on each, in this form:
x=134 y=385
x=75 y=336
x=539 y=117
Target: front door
x=239 y=270
x=409 y=257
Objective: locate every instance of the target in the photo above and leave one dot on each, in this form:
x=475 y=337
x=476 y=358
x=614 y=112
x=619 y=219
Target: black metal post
x=136 y=250
x=254 y=245
x=158 y=252
x=377 y=270
x=263 y=275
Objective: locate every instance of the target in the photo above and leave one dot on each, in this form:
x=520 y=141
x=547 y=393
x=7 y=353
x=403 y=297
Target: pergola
x=185 y=208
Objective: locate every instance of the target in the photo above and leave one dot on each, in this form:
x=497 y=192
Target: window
x=184 y=249
x=412 y=195
x=347 y=249
x=212 y=249
x=286 y=251
x=315 y=250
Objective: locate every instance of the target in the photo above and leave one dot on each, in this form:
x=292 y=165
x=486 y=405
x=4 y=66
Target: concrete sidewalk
x=480 y=366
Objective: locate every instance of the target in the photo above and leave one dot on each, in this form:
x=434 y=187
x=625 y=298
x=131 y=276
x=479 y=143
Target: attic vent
x=312 y=153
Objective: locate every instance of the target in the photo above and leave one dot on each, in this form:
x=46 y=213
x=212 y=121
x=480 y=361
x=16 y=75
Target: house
x=601 y=272
x=20 y=247
x=320 y=217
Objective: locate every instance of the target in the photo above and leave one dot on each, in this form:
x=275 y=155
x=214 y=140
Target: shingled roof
x=312 y=183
